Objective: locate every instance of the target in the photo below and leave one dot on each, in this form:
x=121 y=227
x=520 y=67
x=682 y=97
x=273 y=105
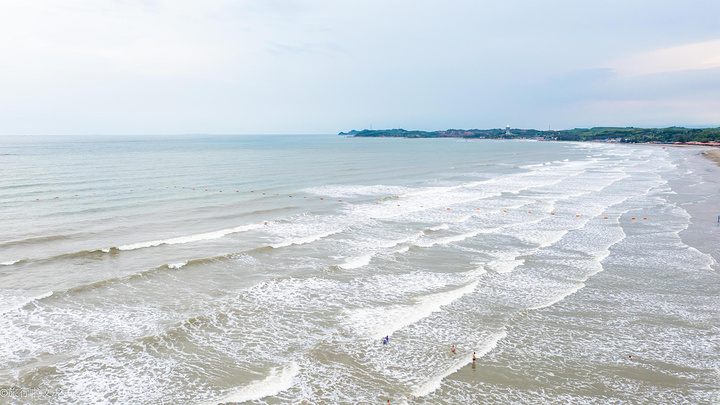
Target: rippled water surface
x=267 y=269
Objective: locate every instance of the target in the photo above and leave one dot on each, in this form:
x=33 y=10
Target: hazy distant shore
x=670 y=135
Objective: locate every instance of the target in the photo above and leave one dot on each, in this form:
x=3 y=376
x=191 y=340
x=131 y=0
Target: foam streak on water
x=378 y=322
x=276 y=382
x=191 y=238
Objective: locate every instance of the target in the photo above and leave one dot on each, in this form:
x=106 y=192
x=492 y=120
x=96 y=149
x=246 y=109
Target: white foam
x=378 y=322
x=9 y=263
x=190 y=238
x=475 y=273
x=434 y=382
x=355 y=262
x=307 y=239
x=710 y=261
x=403 y=249
x=559 y=297
x=348 y=191
x=177 y=265
x=439 y=227
x=393 y=243
x=23 y=303
x=273 y=384
x=505 y=266
x=454 y=238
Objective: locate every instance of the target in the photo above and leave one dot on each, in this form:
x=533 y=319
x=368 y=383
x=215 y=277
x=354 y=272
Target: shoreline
x=713 y=155
x=701 y=205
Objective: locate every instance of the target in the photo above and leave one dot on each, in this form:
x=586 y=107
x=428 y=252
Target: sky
x=77 y=67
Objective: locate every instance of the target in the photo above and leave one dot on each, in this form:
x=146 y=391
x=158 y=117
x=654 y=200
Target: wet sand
x=713 y=155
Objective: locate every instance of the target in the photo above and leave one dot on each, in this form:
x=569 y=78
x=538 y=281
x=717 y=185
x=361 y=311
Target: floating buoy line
x=132 y=190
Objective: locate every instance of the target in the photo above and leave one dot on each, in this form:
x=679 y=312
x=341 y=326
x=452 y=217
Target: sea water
x=267 y=269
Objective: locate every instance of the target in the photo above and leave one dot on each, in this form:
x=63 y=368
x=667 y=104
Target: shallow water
x=266 y=269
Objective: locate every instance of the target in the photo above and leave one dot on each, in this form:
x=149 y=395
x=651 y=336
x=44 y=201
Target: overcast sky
x=323 y=66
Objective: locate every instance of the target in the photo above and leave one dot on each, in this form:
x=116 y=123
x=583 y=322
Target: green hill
x=606 y=134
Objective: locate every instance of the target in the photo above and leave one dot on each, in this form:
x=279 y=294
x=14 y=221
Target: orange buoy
x=398 y=205
x=37 y=199
x=57 y=197
x=75 y=195
x=632 y=218
x=552 y=213
x=529 y=212
x=644 y=217
x=377 y=203
x=604 y=217
x=448 y=209
x=477 y=209
x=340 y=200
x=504 y=210
x=252 y=191
x=577 y=215
x=289 y=196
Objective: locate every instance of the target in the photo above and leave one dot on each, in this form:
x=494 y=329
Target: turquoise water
x=266 y=269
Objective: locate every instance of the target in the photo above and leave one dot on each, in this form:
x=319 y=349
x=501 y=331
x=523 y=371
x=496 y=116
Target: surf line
x=339 y=200
x=434 y=382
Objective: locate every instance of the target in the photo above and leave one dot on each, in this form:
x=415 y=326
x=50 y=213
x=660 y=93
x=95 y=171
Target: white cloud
x=694 y=56
x=309 y=66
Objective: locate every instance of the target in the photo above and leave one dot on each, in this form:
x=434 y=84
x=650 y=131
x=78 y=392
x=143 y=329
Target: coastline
x=701 y=203
x=713 y=155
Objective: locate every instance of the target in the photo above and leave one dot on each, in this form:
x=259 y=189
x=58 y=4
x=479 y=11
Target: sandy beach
x=712 y=154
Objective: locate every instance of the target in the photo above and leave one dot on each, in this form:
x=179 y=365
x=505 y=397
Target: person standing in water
x=452 y=349
x=473 y=357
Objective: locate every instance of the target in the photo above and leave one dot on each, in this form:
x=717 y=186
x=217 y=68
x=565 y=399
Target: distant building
x=507 y=129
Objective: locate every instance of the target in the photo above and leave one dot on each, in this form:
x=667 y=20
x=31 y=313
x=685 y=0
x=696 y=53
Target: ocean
x=268 y=269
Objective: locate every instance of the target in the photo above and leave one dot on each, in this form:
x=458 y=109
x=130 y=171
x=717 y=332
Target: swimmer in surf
x=452 y=349
x=630 y=357
x=473 y=356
